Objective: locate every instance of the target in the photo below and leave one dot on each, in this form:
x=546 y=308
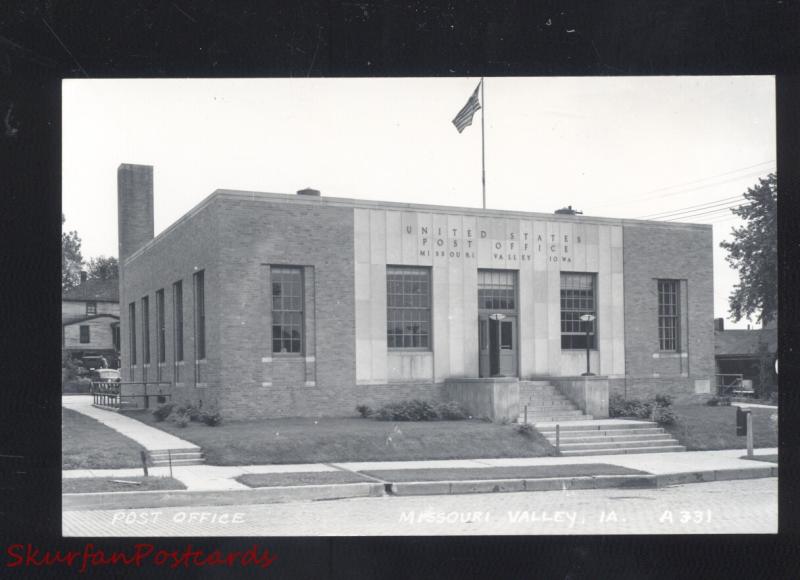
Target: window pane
x=287 y=309
x=408 y=307
x=577 y=299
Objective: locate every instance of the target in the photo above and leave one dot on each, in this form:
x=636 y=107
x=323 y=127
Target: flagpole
x=483 y=148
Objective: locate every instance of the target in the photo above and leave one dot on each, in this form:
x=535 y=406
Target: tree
x=753 y=251
x=103 y=268
x=71 y=258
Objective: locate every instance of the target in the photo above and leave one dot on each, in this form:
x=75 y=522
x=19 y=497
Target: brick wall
x=652 y=252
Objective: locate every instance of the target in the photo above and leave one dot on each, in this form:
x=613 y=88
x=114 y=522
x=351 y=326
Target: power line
x=686 y=190
x=692 y=208
x=717 y=211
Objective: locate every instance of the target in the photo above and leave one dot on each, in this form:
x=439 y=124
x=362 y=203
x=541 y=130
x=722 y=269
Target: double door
x=497 y=337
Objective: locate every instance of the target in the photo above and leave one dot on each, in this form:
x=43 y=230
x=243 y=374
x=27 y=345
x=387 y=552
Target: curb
x=574 y=483
x=182 y=497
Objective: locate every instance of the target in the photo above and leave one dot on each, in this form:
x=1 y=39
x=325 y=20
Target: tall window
x=132 y=330
x=408 y=301
x=91 y=308
x=146 y=329
x=668 y=315
x=287 y=309
x=84 y=334
x=160 y=327
x=496 y=290
x=177 y=309
x=200 y=315
x=577 y=299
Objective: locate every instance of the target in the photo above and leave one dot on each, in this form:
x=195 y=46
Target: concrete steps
x=161 y=457
x=610 y=438
x=546 y=403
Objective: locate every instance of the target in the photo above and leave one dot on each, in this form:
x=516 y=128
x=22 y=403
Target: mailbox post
x=744 y=427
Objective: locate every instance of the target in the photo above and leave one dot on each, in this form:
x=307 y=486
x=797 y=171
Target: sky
x=673 y=148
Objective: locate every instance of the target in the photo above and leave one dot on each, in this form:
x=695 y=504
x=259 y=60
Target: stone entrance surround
x=498 y=398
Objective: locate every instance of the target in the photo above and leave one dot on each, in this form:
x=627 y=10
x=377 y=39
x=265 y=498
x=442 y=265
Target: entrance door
x=498 y=346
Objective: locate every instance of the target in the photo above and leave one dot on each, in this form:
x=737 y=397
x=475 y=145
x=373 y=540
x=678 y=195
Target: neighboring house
x=90 y=319
x=742 y=352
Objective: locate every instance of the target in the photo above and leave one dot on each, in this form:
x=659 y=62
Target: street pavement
x=728 y=507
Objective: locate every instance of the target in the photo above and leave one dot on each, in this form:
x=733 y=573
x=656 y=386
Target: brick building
x=303 y=305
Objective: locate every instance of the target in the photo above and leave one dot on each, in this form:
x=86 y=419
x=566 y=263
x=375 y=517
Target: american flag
x=464 y=117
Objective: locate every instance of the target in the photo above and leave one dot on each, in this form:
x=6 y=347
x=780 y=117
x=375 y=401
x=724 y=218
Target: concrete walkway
x=221 y=478
x=148 y=437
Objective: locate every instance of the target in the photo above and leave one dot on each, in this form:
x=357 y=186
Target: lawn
x=303 y=478
x=701 y=427
x=88 y=444
x=305 y=440
x=99 y=484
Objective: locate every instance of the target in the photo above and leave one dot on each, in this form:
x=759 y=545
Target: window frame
x=673 y=289
x=132 y=333
x=409 y=311
x=581 y=308
x=199 y=285
x=495 y=287
x=91 y=307
x=275 y=272
x=146 y=330
x=88 y=334
x=177 y=321
x=161 y=328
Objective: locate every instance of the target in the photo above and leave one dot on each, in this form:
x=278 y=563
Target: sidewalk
x=148 y=437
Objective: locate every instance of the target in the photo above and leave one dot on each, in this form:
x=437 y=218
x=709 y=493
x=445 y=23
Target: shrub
x=211 y=418
x=414 y=410
x=719 y=401
x=450 y=411
x=773 y=398
x=163 y=411
x=364 y=410
x=664 y=415
x=181 y=419
x=194 y=413
x=620 y=407
x=525 y=429
x=663 y=400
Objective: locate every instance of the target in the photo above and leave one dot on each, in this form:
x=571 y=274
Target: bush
x=180 y=419
x=77 y=386
x=664 y=415
x=525 y=429
x=194 y=413
x=419 y=410
x=618 y=406
x=719 y=401
x=364 y=410
x=450 y=411
x=211 y=418
x=773 y=398
x=163 y=411
x=663 y=400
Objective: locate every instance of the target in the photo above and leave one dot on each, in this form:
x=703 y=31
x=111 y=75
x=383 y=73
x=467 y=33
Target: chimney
x=719 y=324
x=309 y=191
x=83 y=276
x=134 y=207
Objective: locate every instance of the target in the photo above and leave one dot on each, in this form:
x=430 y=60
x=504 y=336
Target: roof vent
x=309 y=191
x=568 y=211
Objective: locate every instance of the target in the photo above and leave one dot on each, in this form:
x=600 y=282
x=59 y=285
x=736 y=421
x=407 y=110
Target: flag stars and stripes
x=464 y=117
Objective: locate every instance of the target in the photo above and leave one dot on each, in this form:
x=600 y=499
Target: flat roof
x=294 y=198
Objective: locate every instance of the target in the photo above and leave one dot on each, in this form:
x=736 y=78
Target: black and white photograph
x=419 y=306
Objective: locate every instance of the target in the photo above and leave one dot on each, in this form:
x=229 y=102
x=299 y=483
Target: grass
x=702 y=427
x=304 y=478
x=99 y=484
x=524 y=472
x=305 y=440
x=88 y=444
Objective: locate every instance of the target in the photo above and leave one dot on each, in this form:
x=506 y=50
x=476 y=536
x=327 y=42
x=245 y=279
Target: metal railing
x=730 y=384
x=116 y=395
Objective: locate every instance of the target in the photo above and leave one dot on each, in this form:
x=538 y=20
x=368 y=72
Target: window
x=132 y=323
x=160 y=327
x=577 y=299
x=408 y=300
x=115 y=337
x=84 y=334
x=287 y=309
x=91 y=308
x=199 y=316
x=177 y=309
x=496 y=290
x=146 y=329
x=668 y=315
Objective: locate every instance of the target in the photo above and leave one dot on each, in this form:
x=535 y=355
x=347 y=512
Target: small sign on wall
x=702 y=386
